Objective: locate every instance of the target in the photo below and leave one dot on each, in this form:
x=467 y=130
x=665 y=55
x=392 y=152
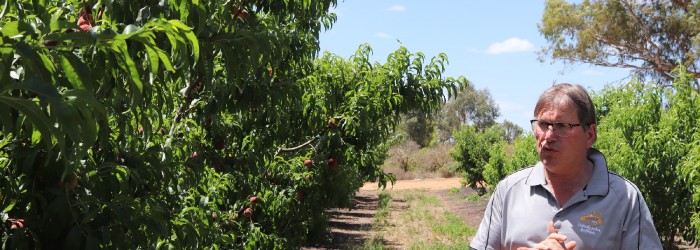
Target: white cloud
x=397 y=8
x=382 y=35
x=510 y=45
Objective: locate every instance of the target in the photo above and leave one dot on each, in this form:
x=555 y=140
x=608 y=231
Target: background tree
x=469 y=106
x=652 y=37
x=419 y=127
x=511 y=131
x=473 y=150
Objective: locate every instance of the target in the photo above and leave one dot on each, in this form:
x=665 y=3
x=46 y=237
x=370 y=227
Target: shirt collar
x=597 y=185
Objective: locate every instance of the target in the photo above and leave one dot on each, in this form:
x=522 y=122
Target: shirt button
x=557 y=225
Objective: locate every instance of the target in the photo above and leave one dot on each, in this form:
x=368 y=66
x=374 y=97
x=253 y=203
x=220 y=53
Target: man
x=569 y=199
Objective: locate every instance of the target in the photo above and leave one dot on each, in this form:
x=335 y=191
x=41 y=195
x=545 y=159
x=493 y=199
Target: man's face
x=561 y=152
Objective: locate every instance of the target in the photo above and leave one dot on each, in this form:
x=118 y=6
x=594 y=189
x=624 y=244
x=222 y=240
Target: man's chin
x=549 y=161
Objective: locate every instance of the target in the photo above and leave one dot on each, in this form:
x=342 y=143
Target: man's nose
x=549 y=133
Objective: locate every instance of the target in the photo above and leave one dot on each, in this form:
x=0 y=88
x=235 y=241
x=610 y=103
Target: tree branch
x=292 y=149
x=682 y=3
x=184 y=107
x=660 y=66
x=647 y=35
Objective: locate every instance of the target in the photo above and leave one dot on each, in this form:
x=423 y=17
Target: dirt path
x=430 y=184
x=350 y=228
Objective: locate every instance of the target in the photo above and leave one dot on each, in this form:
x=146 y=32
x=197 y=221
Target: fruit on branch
x=141 y=131
x=194 y=155
x=332 y=122
x=16 y=223
x=254 y=200
x=213 y=216
x=308 y=162
x=300 y=196
x=85 y=19
x=333 y=163
x=248 y=212
x=71 y=184
x=240 y=13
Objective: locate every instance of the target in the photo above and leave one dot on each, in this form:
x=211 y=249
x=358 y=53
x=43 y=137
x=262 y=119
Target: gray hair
x=568 y=94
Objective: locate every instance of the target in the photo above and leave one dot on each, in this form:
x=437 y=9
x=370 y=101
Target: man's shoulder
x=518 y=177
x=621 y=185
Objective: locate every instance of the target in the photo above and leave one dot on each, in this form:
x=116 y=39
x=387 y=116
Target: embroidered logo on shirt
x=590 y=222
x=594 y=218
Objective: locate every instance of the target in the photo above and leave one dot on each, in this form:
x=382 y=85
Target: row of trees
x=190 y=124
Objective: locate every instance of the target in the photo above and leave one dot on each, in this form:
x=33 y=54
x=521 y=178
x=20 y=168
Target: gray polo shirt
x=609 y=213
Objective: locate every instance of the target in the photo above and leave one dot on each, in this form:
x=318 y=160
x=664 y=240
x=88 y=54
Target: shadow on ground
x=349 y=227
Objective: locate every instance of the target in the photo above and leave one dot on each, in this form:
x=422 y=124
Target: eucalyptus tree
x=652 y=37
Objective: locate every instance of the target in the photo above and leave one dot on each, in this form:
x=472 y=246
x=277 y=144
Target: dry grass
x=408 y=162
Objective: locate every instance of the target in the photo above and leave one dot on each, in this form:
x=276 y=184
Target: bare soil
x=352 y=227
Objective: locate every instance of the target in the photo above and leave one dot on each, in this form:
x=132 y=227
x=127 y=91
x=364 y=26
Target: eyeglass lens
x=559 y=129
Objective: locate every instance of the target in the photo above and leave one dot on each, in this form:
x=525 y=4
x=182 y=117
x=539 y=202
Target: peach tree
x=190 y=124
x=650 y=135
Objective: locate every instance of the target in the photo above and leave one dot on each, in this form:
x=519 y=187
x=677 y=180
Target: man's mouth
x=546 y=147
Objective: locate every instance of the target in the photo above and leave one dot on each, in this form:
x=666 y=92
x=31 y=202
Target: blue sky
x=491 y=43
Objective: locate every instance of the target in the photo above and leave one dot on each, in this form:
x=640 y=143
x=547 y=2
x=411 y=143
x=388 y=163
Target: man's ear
x=592 y=134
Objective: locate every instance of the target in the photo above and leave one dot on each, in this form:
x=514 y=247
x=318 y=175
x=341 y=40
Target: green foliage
x=494 y=168
x=508 y=158
x=157 y=126
x=653 y=37
x=524 y=154
x=473 y=151
x=650 y=134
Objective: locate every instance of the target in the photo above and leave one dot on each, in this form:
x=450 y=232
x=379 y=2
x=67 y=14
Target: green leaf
x=36 y=65
x=15 y=29
x=153 y=60
x=55 y=17
x=129 y=31
x=190 y=36
x=75 y=71
x=9 y=207
x=35 y=115
x=125 y=61
x=189 y=209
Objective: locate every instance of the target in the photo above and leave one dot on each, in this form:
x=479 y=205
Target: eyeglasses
x=559 y=129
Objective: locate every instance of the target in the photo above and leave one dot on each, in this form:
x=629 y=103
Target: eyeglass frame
x=555 y=124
